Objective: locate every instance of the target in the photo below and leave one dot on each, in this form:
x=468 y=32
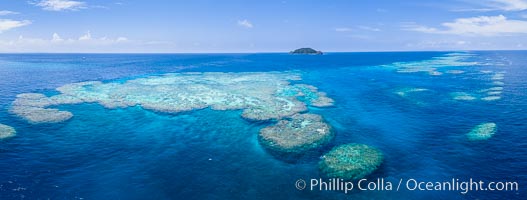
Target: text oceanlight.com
x=454 y=184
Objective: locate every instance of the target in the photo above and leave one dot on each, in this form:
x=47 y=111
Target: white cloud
x=343 y=29
x=493 y=5
x=364 y=28
x=86 y=36
x=418 y=28
x=59 y=44
x=60 y=5
x=121 y=39
x=7 y=12
x=368 y=28
x=361 y=37
x=6 y=24
x=56 y=38
x=440 y=44
x=84 y=39
x=245 y=23
x=482 y=25
x=509 y=5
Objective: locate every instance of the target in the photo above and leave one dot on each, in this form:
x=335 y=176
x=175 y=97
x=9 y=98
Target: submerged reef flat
x=489 y=94
x=308 y=93
x=437 y=65
x=483 y=131
x=416 y=96
x=493 y=89
x=498 y=76
x=298 y=134
x=494 y=93
x=32 y=107
x=486 y=71
x=351 y=161
x=491 y=98
x=6 y=131
x=455 y=71
x=435 y=73
x=498 y=83
x=462 y=96
x=405 y=91
x=431 y=66
x=261 y=96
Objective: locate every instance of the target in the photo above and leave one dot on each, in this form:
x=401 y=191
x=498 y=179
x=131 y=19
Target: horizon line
x=259 y=52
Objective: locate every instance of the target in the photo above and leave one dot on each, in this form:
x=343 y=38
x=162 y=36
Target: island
x=306 y=51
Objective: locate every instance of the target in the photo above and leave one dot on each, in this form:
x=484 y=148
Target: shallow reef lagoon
x=433 y=115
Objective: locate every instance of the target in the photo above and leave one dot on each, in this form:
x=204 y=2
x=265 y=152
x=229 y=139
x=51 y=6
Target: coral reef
x=308 y=93
x=498 y=83
x=435 y=73
x=6 y=131
x=455 y=71
x=494 y=93
x=405 y=91
x=462 y=96
x=300 y=133
x=483 y=131
x=491 y=98
x=431 y=66
x=494 y=89
x=486 y=71
x=497 y=76
x=261 y=96
x=32 y=106
x=351 y=161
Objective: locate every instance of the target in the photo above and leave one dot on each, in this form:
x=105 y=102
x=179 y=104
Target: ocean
x=417 y=108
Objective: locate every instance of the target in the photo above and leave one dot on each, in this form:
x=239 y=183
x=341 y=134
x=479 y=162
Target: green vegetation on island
x=306 y=51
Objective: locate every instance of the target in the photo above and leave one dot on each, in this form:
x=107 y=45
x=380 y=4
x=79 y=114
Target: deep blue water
x=205 y=154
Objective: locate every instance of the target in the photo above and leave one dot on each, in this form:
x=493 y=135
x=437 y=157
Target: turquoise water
x=413 y=117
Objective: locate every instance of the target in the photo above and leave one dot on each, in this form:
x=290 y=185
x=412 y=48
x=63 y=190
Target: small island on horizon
x=306 y=51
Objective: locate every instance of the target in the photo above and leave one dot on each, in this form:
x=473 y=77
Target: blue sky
x=260 y=26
